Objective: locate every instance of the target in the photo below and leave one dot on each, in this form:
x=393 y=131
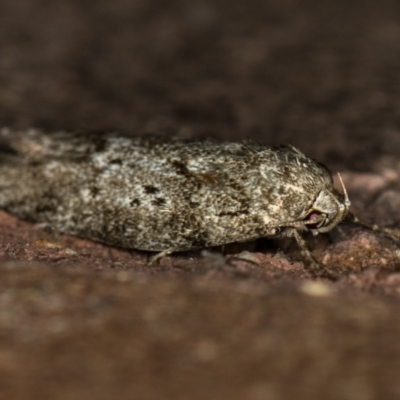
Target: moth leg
x=306 y=252
x=387 y=231
x=315 y=267
x=157 y=257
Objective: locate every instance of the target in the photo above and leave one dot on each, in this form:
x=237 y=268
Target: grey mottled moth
x=168 y=194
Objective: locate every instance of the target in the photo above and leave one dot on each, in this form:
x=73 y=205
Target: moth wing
x=37 y=146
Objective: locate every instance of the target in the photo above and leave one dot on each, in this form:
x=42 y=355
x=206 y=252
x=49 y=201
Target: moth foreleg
x=157 y=257
x=314 y=266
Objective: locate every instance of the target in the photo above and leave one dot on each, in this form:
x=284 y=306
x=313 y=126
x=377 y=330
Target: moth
x=168 y=195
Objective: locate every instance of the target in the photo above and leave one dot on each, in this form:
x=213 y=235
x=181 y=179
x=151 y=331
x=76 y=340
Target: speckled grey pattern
x=164 y=195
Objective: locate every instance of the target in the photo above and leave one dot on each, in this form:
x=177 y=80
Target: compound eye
x=315 y=219
x=313 y=215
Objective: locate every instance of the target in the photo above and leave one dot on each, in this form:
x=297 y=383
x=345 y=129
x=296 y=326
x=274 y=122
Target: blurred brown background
x=322 y=75
x=83 y=321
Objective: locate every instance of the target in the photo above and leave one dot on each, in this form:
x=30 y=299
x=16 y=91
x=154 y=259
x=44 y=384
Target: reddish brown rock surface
x=80 y=320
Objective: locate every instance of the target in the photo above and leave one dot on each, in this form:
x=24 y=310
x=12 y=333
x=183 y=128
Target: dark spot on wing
x=210 y=179
x=117 y=161
x=233 y=213
x=99 y=143
x=159 y=201
x=94 y=191
x=151 y=189
x=180 y=168
x=228 y=213
x=46 y=207
x=197 y=238
x=135 y=202
x=6 y=148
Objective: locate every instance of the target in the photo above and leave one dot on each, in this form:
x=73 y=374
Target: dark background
x=322 y=75
x=83 y=321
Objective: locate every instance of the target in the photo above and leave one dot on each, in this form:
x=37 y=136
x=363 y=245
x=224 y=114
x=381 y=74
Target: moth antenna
x=346 y=196
x=393 y=233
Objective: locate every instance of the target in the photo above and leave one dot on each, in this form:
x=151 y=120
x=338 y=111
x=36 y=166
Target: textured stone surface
x=85 y=321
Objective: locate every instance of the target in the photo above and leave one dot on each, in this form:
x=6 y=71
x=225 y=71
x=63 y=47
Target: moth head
x=328 y=209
